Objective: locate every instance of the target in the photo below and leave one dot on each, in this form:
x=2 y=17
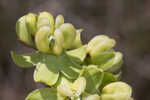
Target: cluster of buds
x=46 y=34
x=73 y=71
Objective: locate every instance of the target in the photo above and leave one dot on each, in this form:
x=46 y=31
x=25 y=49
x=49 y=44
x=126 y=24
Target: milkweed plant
x=72 y=70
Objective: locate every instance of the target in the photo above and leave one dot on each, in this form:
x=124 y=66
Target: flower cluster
x=47 y=35
x=73 y=70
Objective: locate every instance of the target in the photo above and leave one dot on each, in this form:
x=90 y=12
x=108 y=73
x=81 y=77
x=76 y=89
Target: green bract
x=71 y=69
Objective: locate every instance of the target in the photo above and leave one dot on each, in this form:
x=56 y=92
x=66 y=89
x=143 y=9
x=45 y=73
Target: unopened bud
x=22 y=32
x=46 y=19
x=99 y=49
x=79 y=86
x=59 y=39
x=116 y=91
x=99 y=44
x=31 y=20
x=69 y=34
x=42 y=39
x=59 y=21
x=77 y=42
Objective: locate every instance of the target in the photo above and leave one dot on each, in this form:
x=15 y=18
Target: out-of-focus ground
x=128 y=21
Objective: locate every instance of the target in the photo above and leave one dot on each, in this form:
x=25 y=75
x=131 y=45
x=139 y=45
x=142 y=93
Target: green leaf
x=50 y=65
x=78 y=55
x=94 y=77
x=109 y=78
x=26 y=60
x=45 y=94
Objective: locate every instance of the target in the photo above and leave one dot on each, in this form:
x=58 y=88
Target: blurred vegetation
x=128 y=21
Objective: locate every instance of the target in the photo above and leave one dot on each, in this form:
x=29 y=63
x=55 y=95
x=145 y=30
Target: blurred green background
x=127 y=21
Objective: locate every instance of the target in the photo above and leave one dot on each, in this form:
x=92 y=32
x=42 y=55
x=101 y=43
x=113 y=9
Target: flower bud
x=65 y=90
x=41 y=39
x=99 y=49
x=22 y=32
x=46 y=19
x=59 y=39
x=69 y=34
x=79 y=86
x=77 y=43
x=64 y=87
x=31 y=20
x=99 y=44
x=116 y=91
x=114 y=63
x=72 y=90
x=59 y=21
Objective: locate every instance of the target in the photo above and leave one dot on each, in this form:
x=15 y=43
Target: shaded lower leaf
x=94 y=77
x=26 y=60
x=45 y=94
